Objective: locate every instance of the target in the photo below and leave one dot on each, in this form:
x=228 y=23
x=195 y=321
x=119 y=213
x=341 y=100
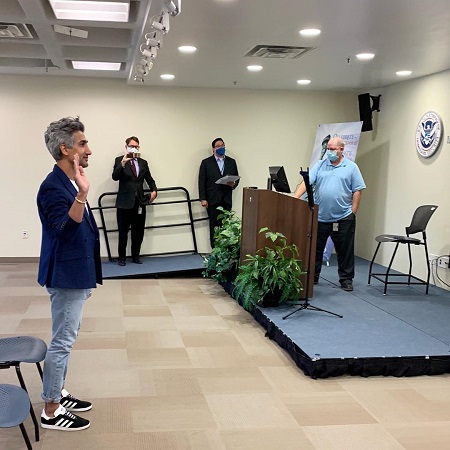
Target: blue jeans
x=67 y=309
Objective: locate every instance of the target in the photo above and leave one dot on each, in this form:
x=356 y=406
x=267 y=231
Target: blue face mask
x=332 y=155
x=220 y=151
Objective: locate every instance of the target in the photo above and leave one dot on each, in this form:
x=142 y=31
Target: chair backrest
x=420 y=219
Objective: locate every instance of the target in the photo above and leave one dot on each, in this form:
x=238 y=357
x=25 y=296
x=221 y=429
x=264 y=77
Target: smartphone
x=133 y=155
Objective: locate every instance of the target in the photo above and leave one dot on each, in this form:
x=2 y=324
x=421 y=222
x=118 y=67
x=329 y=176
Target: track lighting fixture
x=153 y=39
x=173 y=7
x=150 y=52
x=160 y=25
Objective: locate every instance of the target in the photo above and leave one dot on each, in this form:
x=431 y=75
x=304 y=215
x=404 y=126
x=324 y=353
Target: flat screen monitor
x=278 y=179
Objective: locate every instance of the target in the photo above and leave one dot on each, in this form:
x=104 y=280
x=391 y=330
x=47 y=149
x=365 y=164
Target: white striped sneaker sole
x=63 y=426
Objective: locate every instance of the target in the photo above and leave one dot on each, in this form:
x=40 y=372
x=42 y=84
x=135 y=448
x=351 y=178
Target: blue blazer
x=70 y=251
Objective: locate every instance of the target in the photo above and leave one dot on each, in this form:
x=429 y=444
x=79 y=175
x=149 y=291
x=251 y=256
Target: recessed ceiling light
x=187 y=49
x=303 y=82
x=167 y=76
x=403 y=73
x=92 y=65
x=254 y=68
x=310 y=32
x=111 y=11
x=365 y=56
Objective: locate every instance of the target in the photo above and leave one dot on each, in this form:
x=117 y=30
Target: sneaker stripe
x=69 y=404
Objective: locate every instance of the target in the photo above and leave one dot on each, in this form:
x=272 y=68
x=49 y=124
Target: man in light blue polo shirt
x=338 y=186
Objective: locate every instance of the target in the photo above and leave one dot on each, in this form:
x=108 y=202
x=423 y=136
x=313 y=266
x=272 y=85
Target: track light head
x=150 y=52
x=173 y=7
x=160 y=26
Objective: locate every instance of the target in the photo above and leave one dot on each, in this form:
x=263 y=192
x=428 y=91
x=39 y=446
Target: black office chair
x=23 y=349
x=419 y=223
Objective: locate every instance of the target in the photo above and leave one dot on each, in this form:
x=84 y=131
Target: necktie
x=221 y=164
x=133 y=168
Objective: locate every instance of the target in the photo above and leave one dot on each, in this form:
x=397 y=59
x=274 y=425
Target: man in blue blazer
x=213 y=195
x=131 y=171
x=69 y=264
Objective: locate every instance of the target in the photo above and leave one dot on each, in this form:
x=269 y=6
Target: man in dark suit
x=69 y=264
x=213 y=195
x=131 y=171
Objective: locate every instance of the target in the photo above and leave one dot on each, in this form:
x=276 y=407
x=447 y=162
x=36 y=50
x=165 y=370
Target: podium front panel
x=280 y=213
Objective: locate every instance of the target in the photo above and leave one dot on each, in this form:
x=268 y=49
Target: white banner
x=350 y=132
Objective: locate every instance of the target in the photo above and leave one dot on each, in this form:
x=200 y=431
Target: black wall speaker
x=367 y=103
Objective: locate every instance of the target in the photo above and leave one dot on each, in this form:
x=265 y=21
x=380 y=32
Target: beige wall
x=175 y=127
x=261 y=128
x=398 y=179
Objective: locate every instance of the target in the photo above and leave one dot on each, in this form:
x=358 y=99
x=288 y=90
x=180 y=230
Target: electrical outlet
x=432 y=258
x=443 y=262
x=24 y=234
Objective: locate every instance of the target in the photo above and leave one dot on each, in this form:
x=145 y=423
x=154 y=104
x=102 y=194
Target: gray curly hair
x=61 y=132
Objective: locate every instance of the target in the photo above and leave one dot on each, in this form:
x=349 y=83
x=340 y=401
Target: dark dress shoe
x=122 y=262
x=137 y=260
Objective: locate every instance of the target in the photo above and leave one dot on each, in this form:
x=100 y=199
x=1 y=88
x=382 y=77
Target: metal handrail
x=190 y=223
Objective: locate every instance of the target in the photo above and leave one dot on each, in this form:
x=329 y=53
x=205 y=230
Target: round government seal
x=428 y=134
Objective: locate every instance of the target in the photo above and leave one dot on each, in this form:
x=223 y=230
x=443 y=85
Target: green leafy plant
x=274 y=269
x=223 y=262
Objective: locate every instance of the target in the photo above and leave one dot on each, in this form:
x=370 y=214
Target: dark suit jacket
x=209 y=173
x=130 y=186
x=70 y=251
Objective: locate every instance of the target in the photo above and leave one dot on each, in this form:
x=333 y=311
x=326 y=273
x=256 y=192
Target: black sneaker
x=73 y=404
x=64 y=421
x=347 y=285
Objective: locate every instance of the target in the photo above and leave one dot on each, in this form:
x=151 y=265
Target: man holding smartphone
x=131 y=171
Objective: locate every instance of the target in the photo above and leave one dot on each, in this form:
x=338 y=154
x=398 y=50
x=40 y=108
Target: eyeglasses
x=134 y=146
x=219 y=145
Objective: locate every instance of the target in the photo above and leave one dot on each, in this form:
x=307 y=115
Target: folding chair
x=23 y=349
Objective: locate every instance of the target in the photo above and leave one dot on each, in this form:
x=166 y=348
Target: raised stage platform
x=153 y=266
x=405 y=333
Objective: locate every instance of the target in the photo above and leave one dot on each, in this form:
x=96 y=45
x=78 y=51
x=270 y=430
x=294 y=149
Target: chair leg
x=25 y=437
x=40 y=370
x=389 y=268
x=371 y=262
x=33 y=416
x=428 y=266
x=410 y=264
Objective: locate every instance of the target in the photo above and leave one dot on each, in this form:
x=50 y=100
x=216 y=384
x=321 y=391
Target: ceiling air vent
x=15 y=31
x=277 y=51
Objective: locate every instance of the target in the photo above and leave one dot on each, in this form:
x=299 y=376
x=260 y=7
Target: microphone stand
x=306 y=304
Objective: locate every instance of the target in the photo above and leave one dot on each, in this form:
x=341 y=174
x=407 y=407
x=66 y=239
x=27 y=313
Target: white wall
x=398 y=179
x=260 y=128
x=175 y=127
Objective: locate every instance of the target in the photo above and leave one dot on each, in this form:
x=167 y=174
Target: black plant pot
x=231 y=274
x=271 y=299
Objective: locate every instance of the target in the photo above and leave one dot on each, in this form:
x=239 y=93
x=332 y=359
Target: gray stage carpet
x=391 y=332
x=154 y=265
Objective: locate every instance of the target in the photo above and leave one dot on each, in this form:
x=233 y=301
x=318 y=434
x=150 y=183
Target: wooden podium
x=285 y=214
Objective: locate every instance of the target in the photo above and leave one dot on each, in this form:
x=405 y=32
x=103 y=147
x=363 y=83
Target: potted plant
x=273 y=272
x=223 y=262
